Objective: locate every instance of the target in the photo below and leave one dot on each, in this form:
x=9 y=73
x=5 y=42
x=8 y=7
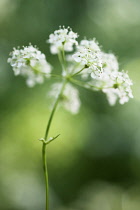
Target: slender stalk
x=53 y=110
x=75 y=67
x=45 y=74
x=64 y=59
x=83 y=84
x=44 y=154
x=79 y=71
x=61 y=60
x=44 y=159
x=55 y=75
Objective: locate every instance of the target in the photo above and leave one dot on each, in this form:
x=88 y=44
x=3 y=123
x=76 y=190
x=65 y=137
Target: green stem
x=44 y=154
x=60 y=57
x=79 y=71
x=83 y=84
x=45 y=74
x=44 y=159
x=55 y=75
x=53 y=110
x=64 y=59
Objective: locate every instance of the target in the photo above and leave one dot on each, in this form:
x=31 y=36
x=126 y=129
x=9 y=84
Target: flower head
x=91 y=45
x=110 y=66
x=64 y=38
x=121 y=88
x=69 y=99
x=110 y=62
x=99 y=70
x=30 y=63
x=116 y=85
x=89 y=55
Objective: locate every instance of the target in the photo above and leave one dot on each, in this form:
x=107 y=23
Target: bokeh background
x=95 y=163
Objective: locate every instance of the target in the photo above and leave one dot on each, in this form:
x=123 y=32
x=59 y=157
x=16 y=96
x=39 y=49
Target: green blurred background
x=95 y=163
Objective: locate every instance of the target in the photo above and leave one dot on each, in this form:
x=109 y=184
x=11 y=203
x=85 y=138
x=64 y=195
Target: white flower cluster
x=110 y=62
x=30 y=63
x=120 y=88
x=116 y=85
x=102 y=70
x=64 y=38
x=70 y=97
x=89 y=55
x=99 y=70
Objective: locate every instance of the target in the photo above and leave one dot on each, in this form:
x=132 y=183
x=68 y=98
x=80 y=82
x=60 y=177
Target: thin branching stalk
x=83 y=84
x=79 y=71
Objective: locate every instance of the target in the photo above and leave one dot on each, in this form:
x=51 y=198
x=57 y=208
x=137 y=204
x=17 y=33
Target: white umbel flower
x=115 y=84
x=110 y=62
x=91 y=45
x=30 y=63
x=110 y=66
x=70 y=98
x=119 y=87
x=64 y=38
x=89 y=55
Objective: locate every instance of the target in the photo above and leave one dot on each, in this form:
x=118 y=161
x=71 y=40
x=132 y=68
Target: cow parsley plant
x=83 y=64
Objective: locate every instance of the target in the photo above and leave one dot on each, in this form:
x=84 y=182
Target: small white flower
x=72 y=66
x=110 y=62
x=91 y=45
x=89 y=55
x=120 y=88
x=70 y=98
x=64 y=38
x=30 y=63
x=116 y=85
